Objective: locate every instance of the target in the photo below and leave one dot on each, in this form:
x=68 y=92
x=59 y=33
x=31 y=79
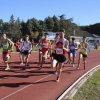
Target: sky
x=83 y=12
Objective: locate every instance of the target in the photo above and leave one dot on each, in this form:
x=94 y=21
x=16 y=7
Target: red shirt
x=59 y=49
x=17 y=45
x=46 y=45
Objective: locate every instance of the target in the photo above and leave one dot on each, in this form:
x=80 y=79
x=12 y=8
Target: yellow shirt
x=53 y=46
x=82 y=45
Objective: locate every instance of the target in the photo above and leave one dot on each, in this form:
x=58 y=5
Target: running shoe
x=56 y=72
x=24 y=67
x=73 y=65
x=21 y=63
x=7 y=68
x=78 y=67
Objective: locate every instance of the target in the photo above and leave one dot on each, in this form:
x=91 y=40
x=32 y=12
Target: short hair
x=84 y=36
x=27 y=36
x=57 y=33
x=73 y=38
x=62 y=30
x=4 y=33
x=46 y=33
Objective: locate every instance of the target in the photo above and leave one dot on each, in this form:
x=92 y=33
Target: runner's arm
x=30 y=47
x=12 y=44
x=66 y=48
x=85 y=46
x=76 y=48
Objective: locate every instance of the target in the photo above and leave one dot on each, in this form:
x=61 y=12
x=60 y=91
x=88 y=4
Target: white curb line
x=70 y=92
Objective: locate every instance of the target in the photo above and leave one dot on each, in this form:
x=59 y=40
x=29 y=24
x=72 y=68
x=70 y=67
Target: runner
x=27 y=47
x=83 y=52
x=17 y=46
x=45 y=44
x=21 y=50
x=40 y=49
x=72 y=50
x=68 y=53
x=61 y=49
x=54 y=63
x=7 y=45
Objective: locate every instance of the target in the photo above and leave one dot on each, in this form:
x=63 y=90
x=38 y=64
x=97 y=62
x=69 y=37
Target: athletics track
x=34 y=84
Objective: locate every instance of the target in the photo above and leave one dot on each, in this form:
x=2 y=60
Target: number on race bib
x=26 y=48
x=5 y=46
x=72 y=47
x=59 y=51
x=45 y=45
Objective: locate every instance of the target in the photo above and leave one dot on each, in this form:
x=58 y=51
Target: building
x=91 y=38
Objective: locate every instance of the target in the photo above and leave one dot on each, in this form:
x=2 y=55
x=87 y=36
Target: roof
x=84 y=33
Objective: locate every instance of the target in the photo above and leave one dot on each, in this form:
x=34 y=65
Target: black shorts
x=53 y=55
x=84 y=55
x=21 y=52
x=26 y=52
x=17 y=50
x=60 y=58
x=40 y=50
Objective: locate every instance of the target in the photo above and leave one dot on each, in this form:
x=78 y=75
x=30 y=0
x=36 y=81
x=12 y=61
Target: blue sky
x=84 y=12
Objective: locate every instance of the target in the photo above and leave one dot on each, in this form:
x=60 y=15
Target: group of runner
x=55 y=50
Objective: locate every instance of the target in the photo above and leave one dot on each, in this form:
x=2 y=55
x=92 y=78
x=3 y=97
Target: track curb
x=73 y=88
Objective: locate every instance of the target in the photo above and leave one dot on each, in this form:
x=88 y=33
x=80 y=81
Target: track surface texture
x=34 y=84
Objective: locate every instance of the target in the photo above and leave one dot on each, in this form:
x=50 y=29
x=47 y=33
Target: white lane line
x=24 y=87
x=74 y=84
x=33 y=83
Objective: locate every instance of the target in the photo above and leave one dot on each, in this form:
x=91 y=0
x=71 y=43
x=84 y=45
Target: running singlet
x=21 y=44
x=6 y=45
x=72 y=47
x=45 y=45
x=26 y=45
x=59 y=47
x=82 y=50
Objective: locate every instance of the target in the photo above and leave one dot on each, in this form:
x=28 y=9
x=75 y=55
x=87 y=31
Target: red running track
x=34 y=84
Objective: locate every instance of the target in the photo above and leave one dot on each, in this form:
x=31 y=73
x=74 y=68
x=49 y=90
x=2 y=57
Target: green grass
x=91 y=89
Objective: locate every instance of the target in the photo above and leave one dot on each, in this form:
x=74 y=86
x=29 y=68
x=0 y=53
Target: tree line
x=93 y=29
x=34 y=28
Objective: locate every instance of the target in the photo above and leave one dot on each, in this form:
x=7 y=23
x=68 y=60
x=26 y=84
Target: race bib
x=59 y=51
x=26 y=48
x=5 y=46
x=72 y=47
x=45 y=45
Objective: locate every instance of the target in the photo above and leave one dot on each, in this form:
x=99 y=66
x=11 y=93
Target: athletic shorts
x=26 y=52
x=60 y=58
x=17 y=50
x=73 y=52
x=40 y=50
x=5 y=53
x=53 y=55
x=84 y=55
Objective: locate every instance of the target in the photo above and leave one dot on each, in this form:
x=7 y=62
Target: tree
x=49 y=23
x=56 y=24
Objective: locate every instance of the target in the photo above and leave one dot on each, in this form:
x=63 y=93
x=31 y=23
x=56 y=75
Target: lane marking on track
x=75 y=84
x=33 y=83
